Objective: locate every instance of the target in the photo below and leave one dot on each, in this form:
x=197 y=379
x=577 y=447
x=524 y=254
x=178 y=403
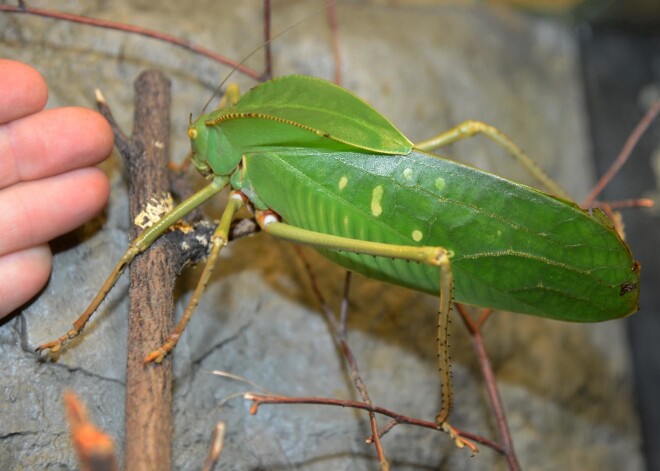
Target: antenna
x=261 y=46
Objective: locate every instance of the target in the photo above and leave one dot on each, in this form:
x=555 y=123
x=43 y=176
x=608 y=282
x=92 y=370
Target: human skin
x=48 y=183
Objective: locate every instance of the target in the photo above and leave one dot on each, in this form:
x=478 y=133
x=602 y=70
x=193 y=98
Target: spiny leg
x=435 y=256
x=446 y=290
x=470 y=128
x=139 y=245
x=218 y=240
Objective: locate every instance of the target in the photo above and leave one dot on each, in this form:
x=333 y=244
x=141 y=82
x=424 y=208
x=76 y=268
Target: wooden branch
x=148 y=441
x=152 y=276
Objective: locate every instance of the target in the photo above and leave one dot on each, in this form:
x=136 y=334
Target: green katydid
x=323 y=168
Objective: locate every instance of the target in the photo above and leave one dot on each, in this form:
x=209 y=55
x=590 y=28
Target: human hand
x=47 y=184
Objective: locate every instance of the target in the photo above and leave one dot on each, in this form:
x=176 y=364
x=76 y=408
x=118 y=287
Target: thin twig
x=242 y=379
x=132 y=29
x=625 y=204
x=491 y=385
x=623 y=156
x=339 y=332
x=485 y=314
x=343 y=310
x=359 y=383
x=259 y=399
x=315 y=288
x=334 y=33
x=215 y=450
x=268 y=54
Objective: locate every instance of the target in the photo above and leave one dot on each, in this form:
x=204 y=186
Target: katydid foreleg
x=138 y=246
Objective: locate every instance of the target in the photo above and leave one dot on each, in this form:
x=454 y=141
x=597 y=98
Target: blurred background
x=620 y=54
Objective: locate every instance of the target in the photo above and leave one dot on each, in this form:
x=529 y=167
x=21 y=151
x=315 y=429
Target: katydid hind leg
x=435 y=256
x=471 y=128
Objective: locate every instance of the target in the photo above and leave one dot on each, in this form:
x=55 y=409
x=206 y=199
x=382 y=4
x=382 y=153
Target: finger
x=23 y=90
x=24 y=273
x=32 y=213
x=52 y=142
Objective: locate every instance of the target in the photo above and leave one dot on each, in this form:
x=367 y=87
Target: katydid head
x=199 y=142
x=212 y=152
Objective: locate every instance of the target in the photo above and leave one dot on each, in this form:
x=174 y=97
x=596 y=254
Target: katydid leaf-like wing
x=323 y=107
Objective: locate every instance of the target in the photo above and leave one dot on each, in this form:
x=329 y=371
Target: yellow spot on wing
x=376 y=197
x=417 y=235
x=343 y=181
x=408 y=173
x=440 y=183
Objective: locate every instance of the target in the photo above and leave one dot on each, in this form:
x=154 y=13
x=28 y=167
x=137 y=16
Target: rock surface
x=566 y=387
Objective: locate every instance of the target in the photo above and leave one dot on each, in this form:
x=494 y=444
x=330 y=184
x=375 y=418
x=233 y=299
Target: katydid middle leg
x=218 y=240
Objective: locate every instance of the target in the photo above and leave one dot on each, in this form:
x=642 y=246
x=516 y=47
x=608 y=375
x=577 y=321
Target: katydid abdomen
x=514 y=248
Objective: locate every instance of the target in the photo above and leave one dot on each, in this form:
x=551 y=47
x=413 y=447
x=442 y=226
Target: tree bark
x=152 y=276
